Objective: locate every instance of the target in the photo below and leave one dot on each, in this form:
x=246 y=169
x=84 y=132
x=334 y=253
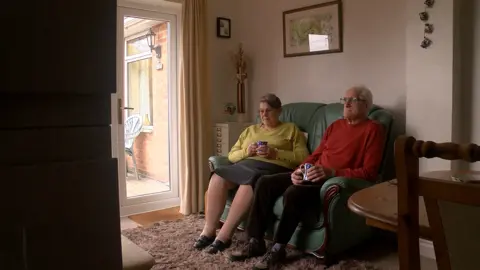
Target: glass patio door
x=146 y=98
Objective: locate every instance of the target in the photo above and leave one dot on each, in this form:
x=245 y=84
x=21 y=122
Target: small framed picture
x=223 y=27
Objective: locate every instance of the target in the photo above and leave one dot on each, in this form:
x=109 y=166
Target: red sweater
x=353 y=151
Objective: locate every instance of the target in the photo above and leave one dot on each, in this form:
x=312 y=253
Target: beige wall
x=430 y=77
x=443 y=85
x=472 y=73
x=222 y=69
x=374 y=54
x=430 y=91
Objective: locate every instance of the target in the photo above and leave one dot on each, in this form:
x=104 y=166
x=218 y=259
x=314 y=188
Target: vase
x=240 y=97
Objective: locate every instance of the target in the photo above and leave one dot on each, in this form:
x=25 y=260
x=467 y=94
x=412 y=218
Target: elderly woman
x=268 y=148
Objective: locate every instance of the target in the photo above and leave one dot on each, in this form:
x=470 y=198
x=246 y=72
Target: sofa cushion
x=314 y=118
x=312 y=224
x=302 y=114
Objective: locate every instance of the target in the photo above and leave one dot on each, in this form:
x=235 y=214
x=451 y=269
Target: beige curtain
x=195 y=102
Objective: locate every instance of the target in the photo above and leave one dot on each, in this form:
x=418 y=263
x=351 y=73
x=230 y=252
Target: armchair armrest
x=344 y=228
x=346 y=186
x=217 y=161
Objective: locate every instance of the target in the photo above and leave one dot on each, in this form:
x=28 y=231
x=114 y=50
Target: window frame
x=130 y=59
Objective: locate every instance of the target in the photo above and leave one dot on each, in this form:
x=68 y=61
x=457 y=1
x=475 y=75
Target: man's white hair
x=364 y=93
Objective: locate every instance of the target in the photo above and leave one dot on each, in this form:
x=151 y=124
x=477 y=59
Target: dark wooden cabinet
x=59 y=182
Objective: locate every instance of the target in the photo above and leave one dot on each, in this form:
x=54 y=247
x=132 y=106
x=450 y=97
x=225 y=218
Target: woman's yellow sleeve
x=237 y=153
x=299 y=152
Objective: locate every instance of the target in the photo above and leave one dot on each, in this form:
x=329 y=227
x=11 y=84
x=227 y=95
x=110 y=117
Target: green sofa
x=338 y=228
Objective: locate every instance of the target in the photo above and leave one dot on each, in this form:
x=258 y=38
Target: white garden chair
x=133 y=127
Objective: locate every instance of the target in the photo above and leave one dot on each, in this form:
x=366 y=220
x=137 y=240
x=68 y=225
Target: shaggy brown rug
x=170 y=243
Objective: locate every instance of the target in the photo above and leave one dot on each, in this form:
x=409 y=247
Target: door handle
x=120 y=111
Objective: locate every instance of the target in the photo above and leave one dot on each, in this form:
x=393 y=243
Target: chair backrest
x=314 y=118
x=452 y=205
x=133 y=127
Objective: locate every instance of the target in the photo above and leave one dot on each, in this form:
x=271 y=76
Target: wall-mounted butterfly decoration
x=428 y=27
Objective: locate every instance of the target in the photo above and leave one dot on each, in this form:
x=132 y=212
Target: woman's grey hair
x=364 y=93
x=272 y=100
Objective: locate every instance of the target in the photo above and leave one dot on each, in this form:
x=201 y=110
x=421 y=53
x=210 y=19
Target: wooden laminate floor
x=147 y=219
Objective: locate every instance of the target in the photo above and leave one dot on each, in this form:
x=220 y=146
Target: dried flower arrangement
x=240 y=63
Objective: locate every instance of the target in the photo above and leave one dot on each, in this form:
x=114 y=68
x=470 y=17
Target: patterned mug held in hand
x=261 y=143
x=304 y=169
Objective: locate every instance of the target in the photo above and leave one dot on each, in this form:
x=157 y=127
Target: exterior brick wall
x=152 y=149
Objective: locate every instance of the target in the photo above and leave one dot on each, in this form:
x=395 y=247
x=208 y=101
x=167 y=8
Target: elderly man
x=351 y=147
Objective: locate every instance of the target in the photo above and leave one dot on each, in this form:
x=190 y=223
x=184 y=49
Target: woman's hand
x=266 y=152
x=297 y=177
x=252 y=149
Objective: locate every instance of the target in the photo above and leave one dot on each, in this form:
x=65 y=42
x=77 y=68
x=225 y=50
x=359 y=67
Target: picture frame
x=311 y=30
x=224 y=27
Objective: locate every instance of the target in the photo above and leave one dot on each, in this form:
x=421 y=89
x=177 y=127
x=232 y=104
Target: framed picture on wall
x=312 y=30
x=223 y=27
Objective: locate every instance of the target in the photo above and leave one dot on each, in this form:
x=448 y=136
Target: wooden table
x=378 y=204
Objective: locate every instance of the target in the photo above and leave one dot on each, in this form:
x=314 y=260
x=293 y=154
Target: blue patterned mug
x=304 y=169
x=261 y=143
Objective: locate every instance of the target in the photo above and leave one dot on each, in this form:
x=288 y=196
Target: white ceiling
x=147 y=2
x=154 y=2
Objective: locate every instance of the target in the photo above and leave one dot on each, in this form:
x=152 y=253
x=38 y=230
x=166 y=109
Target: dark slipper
x=217 y=246
x=203 y=241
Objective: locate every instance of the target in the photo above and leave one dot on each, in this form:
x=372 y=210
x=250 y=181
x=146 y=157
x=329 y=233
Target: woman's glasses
x=266 y=111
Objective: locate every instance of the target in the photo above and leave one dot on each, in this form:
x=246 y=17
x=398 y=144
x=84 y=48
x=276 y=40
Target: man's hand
x=252 y=149
x=318 y=173
x=297 y=177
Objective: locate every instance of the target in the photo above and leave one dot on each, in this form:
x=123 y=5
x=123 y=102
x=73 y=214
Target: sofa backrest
x=314 y=118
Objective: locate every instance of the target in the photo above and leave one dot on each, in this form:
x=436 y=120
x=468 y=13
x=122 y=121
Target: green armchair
x=338 y=228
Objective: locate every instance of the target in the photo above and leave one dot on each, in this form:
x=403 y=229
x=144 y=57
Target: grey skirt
x=248 y=171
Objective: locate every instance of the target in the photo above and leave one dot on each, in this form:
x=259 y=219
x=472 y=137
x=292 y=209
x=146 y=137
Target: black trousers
x=301 y=203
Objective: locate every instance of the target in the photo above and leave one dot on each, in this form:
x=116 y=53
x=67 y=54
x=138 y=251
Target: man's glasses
x=350 y=100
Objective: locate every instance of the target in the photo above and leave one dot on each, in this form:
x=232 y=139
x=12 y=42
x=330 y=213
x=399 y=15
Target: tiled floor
x=144 y=186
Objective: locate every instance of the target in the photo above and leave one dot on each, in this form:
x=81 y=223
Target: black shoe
x=217 y=246
x=203 y=241
x=271 y=259
x=254 y=248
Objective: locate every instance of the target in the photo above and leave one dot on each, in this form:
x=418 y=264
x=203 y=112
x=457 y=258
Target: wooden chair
x=453 y=207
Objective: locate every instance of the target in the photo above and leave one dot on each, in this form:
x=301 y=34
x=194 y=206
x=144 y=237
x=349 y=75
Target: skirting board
x=148 y=207
x=426 y=249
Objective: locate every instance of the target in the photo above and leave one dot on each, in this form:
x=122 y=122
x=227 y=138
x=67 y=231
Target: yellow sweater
x=286 y=138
